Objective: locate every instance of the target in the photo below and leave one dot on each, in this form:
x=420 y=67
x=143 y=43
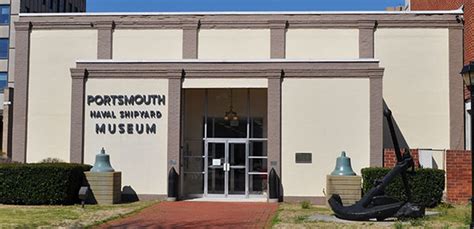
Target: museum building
x=224 y=97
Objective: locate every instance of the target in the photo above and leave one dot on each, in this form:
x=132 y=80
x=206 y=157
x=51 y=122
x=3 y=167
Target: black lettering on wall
x=90 y=99
x=121 y=128
x=112 y=128
x=139 y=128
x=139 y=100
x=129 y=128
x=100 y=128
x=161 y=100
x=151 y=129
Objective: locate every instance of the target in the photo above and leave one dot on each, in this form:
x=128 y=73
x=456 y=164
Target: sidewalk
x=184 y=214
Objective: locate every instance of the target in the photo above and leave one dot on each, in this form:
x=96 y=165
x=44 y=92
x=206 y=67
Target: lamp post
x=468 y=76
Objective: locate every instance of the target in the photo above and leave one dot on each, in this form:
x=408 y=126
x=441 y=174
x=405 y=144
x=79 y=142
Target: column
x=77 y=115
x=20 y=108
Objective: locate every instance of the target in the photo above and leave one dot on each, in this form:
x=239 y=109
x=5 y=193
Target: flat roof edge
x=458 y=11
x=367 y=60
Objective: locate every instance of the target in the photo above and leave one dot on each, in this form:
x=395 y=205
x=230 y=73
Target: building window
x=64 y=5
x=51 y=4
x=58 y=9
x=44 y=2
x=4 y=14
x=4 y=48
x=3 y=80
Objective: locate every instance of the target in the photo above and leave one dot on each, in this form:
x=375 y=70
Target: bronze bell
x=102 y=163
x=343 y=166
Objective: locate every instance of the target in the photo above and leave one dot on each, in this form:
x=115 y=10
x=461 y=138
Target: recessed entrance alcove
x=224 y=143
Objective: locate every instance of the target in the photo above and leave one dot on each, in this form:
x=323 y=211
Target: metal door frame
x=226 y=142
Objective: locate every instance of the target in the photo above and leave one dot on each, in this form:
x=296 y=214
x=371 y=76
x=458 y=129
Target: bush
x=42 y=183
x=305 y=205
x=51 y=160
x=426 y=185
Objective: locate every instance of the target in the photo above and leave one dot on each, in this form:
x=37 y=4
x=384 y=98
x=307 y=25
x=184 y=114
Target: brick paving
x=185 y=214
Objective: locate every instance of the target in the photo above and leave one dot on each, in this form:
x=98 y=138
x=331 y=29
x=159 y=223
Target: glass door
x=226 y=167
x=237 y=168
x=216 y=168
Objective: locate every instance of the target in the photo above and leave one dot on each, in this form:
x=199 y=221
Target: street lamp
x=468 y=76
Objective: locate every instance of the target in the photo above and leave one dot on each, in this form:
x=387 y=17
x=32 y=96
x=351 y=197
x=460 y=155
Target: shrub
x=51 y=160
x=42 y=183
x=305 y=205
x=426 y=185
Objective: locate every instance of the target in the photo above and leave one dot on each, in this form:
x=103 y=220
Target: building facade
x=52 y=6
x=9 y=14
x=468 y=8
x=225 y=98
x=468 y=20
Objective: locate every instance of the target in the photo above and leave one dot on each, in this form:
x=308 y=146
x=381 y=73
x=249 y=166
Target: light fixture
x=467 y=74
x=83 y=194
x=231 y=115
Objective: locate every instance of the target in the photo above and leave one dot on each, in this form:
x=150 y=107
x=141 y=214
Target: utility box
x=349 y=188
x=105 y=187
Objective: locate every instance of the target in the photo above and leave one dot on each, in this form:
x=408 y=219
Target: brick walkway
x=185 y=214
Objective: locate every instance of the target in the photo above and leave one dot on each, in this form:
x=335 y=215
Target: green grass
x=452 y=216
x=294 y=216
x=398 y=225
x=305 y=205
x=276 y=218
x=65 y=216
x=133 y=211
x=300 y=218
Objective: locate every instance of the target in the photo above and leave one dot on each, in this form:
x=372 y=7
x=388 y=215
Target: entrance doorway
x=226 y=167
x=225 y=146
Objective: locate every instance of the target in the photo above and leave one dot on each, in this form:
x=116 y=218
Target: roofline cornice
x=440 y=19
x=229 y=69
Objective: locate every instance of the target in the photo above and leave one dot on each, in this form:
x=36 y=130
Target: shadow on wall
x=387 y=138
x=434 y=164
x=129 y=195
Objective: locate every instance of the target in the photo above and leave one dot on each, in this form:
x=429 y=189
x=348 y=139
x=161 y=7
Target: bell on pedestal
x=343 y=166
x=102 y=163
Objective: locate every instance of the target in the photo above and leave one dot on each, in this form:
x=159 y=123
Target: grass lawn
x=294 y=216
x=65 y=216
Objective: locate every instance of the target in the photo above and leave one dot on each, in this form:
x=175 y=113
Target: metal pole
x=472 y=159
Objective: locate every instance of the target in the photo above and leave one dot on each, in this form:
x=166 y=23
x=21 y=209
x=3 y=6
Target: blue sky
x=236 y=5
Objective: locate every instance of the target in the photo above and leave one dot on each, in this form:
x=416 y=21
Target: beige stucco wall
x=322 y=44
x=416 y=86
x=147 y=44
x=324 y=127
x=225 y=83
x=142 y=158
x=234 y=44
x=52 y=54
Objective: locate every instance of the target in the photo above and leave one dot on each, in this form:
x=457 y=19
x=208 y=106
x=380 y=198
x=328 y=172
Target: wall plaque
x=303 y=158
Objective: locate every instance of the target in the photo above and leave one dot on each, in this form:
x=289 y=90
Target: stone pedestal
x=105 y=187
x=348 y=187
